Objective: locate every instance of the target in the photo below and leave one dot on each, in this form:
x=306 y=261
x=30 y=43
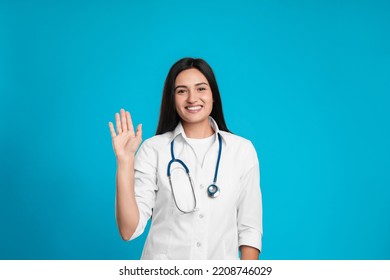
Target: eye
x=181 y=91
x=201 y=89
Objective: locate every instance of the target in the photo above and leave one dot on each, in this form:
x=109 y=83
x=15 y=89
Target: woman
x=198 y=182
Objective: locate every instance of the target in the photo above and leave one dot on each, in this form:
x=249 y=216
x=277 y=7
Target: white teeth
x=194 y=108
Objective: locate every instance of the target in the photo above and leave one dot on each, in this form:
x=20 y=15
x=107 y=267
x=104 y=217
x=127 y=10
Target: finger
x=124 y=122
x=112 y=130
x=138 y=133
x=118 y=123
x=129 y=122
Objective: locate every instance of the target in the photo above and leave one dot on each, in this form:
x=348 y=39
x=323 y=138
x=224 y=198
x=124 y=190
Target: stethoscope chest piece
x=213 y=191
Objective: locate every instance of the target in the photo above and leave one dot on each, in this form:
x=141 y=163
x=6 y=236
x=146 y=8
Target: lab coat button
x=198 y=244
x=201 y=216
x=201 y=186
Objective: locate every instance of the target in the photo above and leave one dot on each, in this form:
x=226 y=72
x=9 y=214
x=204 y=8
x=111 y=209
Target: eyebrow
x=198 y=84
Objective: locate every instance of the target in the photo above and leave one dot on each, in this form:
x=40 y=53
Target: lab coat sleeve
x=145 y=184
x=249 y=210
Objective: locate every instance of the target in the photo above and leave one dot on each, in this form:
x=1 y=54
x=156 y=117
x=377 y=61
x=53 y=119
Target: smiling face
x=193 y=97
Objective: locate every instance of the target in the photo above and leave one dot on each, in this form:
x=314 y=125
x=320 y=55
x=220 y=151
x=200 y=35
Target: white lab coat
x=221 y=224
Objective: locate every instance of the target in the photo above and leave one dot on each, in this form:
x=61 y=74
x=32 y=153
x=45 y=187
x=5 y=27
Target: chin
x=194 y=120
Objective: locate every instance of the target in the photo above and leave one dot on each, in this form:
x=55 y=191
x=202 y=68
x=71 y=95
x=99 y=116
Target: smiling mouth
x=194 y=108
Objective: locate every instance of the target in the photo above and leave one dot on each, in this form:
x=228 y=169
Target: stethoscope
x=212 y=190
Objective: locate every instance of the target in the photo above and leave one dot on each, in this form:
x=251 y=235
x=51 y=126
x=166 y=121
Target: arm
x=127 y=214
x=249 y=208
x=125 y=143
x=249 y=253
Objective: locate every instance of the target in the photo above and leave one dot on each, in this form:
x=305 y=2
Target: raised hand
x=124 y=141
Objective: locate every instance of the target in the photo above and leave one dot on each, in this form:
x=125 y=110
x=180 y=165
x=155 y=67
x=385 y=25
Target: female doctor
x=198 y=182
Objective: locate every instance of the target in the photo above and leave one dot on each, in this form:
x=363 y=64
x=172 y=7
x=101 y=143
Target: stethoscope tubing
x=212 y=190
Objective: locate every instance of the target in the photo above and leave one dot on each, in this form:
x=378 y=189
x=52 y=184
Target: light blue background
x=306 y=81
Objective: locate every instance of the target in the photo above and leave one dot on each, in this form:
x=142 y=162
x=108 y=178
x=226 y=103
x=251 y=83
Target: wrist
x=125 y=160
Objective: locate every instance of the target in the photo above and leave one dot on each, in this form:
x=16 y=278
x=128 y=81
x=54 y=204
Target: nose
x=192 y=96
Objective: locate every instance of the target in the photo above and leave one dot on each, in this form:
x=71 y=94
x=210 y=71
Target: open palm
x=124 y=141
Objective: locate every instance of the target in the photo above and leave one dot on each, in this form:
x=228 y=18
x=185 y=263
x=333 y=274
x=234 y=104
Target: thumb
x=138 y=132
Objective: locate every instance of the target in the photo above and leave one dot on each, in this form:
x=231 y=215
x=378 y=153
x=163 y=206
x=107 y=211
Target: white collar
x=180 y=130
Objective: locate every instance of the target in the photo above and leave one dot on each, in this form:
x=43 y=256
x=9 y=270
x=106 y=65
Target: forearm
x=249 y=253
x=127 y=214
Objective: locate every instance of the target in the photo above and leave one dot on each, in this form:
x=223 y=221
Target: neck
x=198 y=130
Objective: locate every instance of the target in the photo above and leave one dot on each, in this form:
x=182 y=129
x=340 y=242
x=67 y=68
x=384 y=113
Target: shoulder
x=242 y=148
x=150 y=150
x=236 y=141
x=156 y=142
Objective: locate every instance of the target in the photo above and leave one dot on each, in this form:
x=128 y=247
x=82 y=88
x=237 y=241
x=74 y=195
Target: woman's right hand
x=124 y=141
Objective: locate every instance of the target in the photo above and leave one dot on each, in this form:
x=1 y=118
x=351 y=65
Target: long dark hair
x=169 y=118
